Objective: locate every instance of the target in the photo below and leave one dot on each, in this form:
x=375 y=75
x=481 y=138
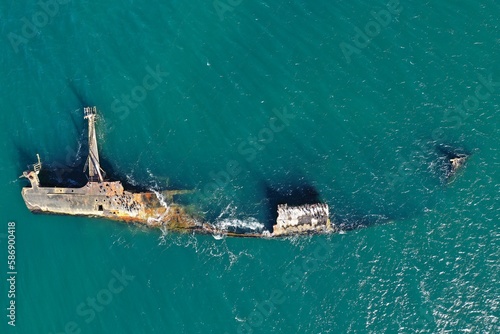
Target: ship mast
x=95 y=171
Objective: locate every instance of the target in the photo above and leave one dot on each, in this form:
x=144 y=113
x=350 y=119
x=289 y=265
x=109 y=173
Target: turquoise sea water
x=370 y=122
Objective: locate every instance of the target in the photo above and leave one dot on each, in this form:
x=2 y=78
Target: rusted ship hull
x=108 y=199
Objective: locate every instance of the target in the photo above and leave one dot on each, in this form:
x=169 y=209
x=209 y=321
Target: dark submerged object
x=457 y=163
x=453 y=160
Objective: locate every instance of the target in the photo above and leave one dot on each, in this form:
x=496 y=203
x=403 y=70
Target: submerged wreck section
x=108 y=199
x=453 y=160
x=455 y=164
x=309 y=218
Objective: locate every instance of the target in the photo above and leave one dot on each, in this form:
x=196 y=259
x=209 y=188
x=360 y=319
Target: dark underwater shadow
x=291 y=194
x=64 y=172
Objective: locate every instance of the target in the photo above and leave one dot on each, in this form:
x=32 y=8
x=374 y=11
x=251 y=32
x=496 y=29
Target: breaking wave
x=228 y=221
x=249 y=223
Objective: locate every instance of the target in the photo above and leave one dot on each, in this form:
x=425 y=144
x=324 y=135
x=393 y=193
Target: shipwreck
x=107 y=199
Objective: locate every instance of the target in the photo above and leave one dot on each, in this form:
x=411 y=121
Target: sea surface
x=358 y=104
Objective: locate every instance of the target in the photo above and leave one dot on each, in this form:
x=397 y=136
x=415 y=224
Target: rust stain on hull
x=109 y=200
